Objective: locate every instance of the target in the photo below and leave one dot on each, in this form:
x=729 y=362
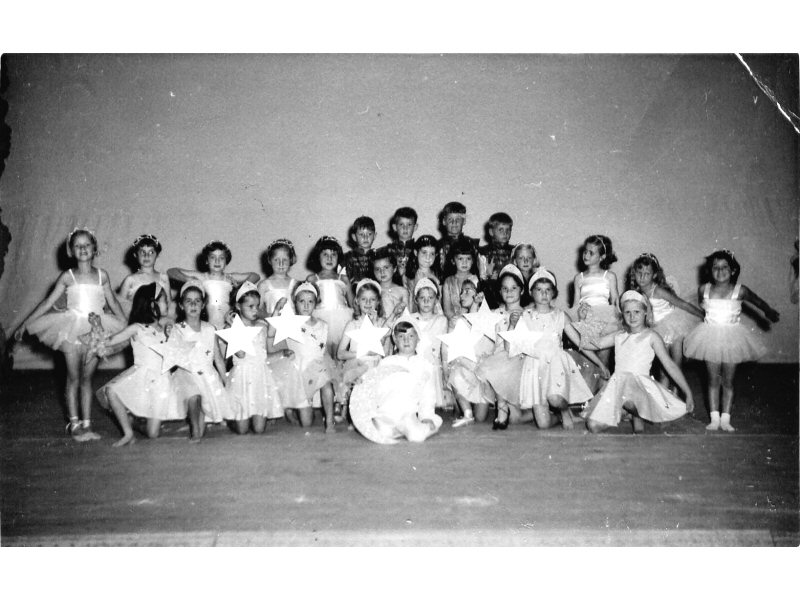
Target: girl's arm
x=343 y=352
x=182 y=275
x=44 y=305
x=749 y=296
x=671 y=368
x=612 y=286
x=111 y=299
x=447 y=304
x=219 y=361
x=664 y=294
x=348 y=289
x=577 y=288
x=118 y=338
x=575 y=338
x=240 y=278
x=125 y=286
x=607 y=341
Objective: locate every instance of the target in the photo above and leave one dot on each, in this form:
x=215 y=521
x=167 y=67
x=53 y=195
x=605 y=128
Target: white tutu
x=733 y=343
x=55 y=328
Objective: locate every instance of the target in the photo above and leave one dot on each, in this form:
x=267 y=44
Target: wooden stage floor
x=674 y=485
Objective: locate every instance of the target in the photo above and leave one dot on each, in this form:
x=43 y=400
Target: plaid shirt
x=497 y=257
x=444 y=248
x=358 y=264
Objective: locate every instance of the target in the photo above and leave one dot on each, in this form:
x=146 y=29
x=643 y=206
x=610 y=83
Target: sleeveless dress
x=126 y=300
x=251 y=386
x=400 y=391
x=270 y=294
x=218 y=298
x=391 y=298
x=144 y=389
x=461 y=372
x=430 y=348
x=669 y=322
x=552 y=371
x=315 y=365
x=721 y=337
x=499 y=370
x=602 y=317
x=631 y=382
x=61 y=330
x=333 y=309
x=203 y=380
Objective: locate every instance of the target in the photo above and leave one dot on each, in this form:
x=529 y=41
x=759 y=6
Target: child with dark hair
x=384 y=268
x=422 y=267
x=358 y=262
x=460 y=265
x=452 y=220
x=335 y=294
x=145 y=250
x=404 y=224
x=494 y=256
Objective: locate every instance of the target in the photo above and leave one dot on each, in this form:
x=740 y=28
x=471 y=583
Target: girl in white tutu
x=200 y=388
x=278 y=283
x=217 y=283
x=673 y=317
x=316 y=367
x=335 y=295
x=429 y=326
x=397 y=398
x=144 y=390
x=631 y=388
x=88 y=293
x=550 y=380
x=252 y=389
x=596 y=293
x=722 y=341
x=145 y=250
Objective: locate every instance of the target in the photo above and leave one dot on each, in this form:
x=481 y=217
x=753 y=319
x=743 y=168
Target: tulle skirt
x=214 y=398
x=552 y=376
x=145 y=393
x=652 y=400
x=723 y=344
x=502 y=372
x=317 y=374
x=290 y=383
x=461 y=378
x=601 y=320
x=675 y=325
x=253 y=391
x=56 y=328
x=336 y=318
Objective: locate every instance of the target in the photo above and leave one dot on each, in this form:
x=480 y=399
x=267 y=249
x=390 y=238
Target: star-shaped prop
x=367 y=338
x=174 y=352
x=484 y=321
x=461 y=341
x=239 y=337
x=522 y=339
x=287 y=325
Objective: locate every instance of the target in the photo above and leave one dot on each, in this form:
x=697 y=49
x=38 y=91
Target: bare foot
x=195 y=439
x=125 y=440
x=566 y=419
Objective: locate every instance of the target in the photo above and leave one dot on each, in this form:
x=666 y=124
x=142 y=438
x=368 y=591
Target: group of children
x=381 y=338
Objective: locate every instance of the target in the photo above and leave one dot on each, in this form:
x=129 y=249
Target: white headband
x=632 y=295
x=247 y=286
x=513 y=269
x=366 y=281
x=425 y=283
x=194 y=283
x=542 y=273
x=305 y=287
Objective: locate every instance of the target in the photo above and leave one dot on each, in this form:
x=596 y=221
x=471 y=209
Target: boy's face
x=406 y=342
x=404 y=228
x=501 y=233
x=468 y=293
x=248 y=307
x=454 y=223
x=364 y=238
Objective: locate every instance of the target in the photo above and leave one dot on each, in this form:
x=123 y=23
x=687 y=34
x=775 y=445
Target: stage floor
x=673 y=485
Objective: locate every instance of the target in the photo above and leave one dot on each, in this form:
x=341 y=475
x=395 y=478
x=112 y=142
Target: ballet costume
x=218 y=298
x=602 y=318
x=143 y=389
x=270 y=295
x=721 y=337
x=333 y=309
x=461 y=372
x=499 y=370
x=551 y=372
x=251 y=385
x=354 y=368
x=669 y=322
x=203 y=379
x=411 y=284
x=430 y=348
x=61 y=330
x=315 y=365
x=631 y=382
x=126 y=300
x=400 y=391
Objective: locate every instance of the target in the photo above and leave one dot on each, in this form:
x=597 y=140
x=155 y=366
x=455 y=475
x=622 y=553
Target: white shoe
x=461 y=422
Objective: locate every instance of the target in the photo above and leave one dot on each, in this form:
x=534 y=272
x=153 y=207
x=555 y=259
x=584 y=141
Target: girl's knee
x=594 y=426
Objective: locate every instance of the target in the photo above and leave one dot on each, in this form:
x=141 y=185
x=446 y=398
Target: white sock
x=87 y=424
x=725 y=422
x=714 y=421
x=468 y=414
